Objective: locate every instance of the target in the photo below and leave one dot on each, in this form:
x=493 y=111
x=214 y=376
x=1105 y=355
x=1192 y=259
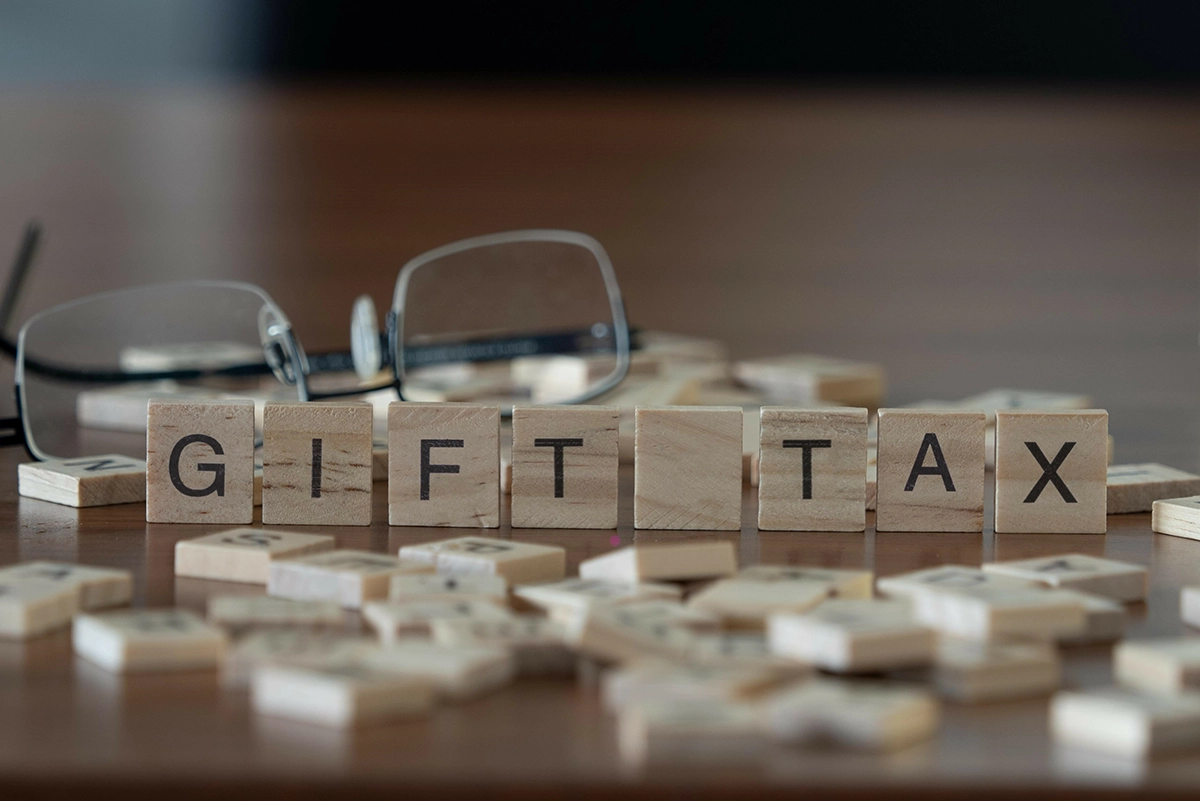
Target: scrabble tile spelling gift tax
x=89 y=481
x=564 y=467
x=444 y=465
x=688 y=468
x=243 y=554
x=1051 y=472
x=930 y=471
x=517 y=562
x=1135 y=487
x=317 y=462
x=810 y=469
x=148 y=640
x=200 y=462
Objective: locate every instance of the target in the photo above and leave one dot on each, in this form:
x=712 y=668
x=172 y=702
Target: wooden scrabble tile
x=1189 y=606
x=653 y=680
x=243 y=554
x=848 y=584
x=317 y=461
x=973 y=670
x=537 y=644
x=241 y=611
x=742 y=649
x=1135 y=487
x=708 y=732
x=997 y=400
x=444 y=465
x=930 y=471
x=394 y=620
x=123 y=408
x=746 y=604
x=190 y=356
x=449 y=587
x=853 y=636
x=1109 y=578
x=342 y=696
x=577 y=594
x=1051 y=472
x=200 y=462
x=688 y=468
x=97 y=587
x=518 y=562
x=811 y=465
x=351 y=578
x=626 y=633
x=91 y=481
x=30 y=606
x=1164 y=665
x=804 y=379
x=148 y=640
x=1104 y=619
x=379 y=461
x=1177 y=517
x=990 y=613
x=1124 y=723
x=859 y=716
x=460 y=672
x=293 y=647
x=564 y=466
x=872 y=486
x=675 y=562
x=904 y=585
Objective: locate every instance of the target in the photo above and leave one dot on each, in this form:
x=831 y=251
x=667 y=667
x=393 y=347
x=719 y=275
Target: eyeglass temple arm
x=22 y=265
x=561 y=343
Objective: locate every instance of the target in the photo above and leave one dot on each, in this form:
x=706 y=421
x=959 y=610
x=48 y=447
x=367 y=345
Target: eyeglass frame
x=16 y=430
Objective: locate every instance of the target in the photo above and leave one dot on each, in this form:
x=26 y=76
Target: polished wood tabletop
x=965 y=240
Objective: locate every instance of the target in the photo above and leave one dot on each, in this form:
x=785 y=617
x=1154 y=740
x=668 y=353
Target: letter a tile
x=812 y=469
x=1051 y=472
x=931 y=467
x=564 y=467
x=444 y=465
x=200 y=462
x=317 y=464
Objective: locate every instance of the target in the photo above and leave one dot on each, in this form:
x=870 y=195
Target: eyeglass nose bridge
x=282 y=352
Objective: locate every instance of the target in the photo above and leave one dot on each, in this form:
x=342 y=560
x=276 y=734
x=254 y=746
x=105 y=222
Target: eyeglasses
x=507 y=318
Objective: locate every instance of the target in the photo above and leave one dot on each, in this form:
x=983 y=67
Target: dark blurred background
x=1142 y=42
x=975 y=195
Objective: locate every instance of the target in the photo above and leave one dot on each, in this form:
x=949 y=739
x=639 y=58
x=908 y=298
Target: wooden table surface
x=965 y=240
